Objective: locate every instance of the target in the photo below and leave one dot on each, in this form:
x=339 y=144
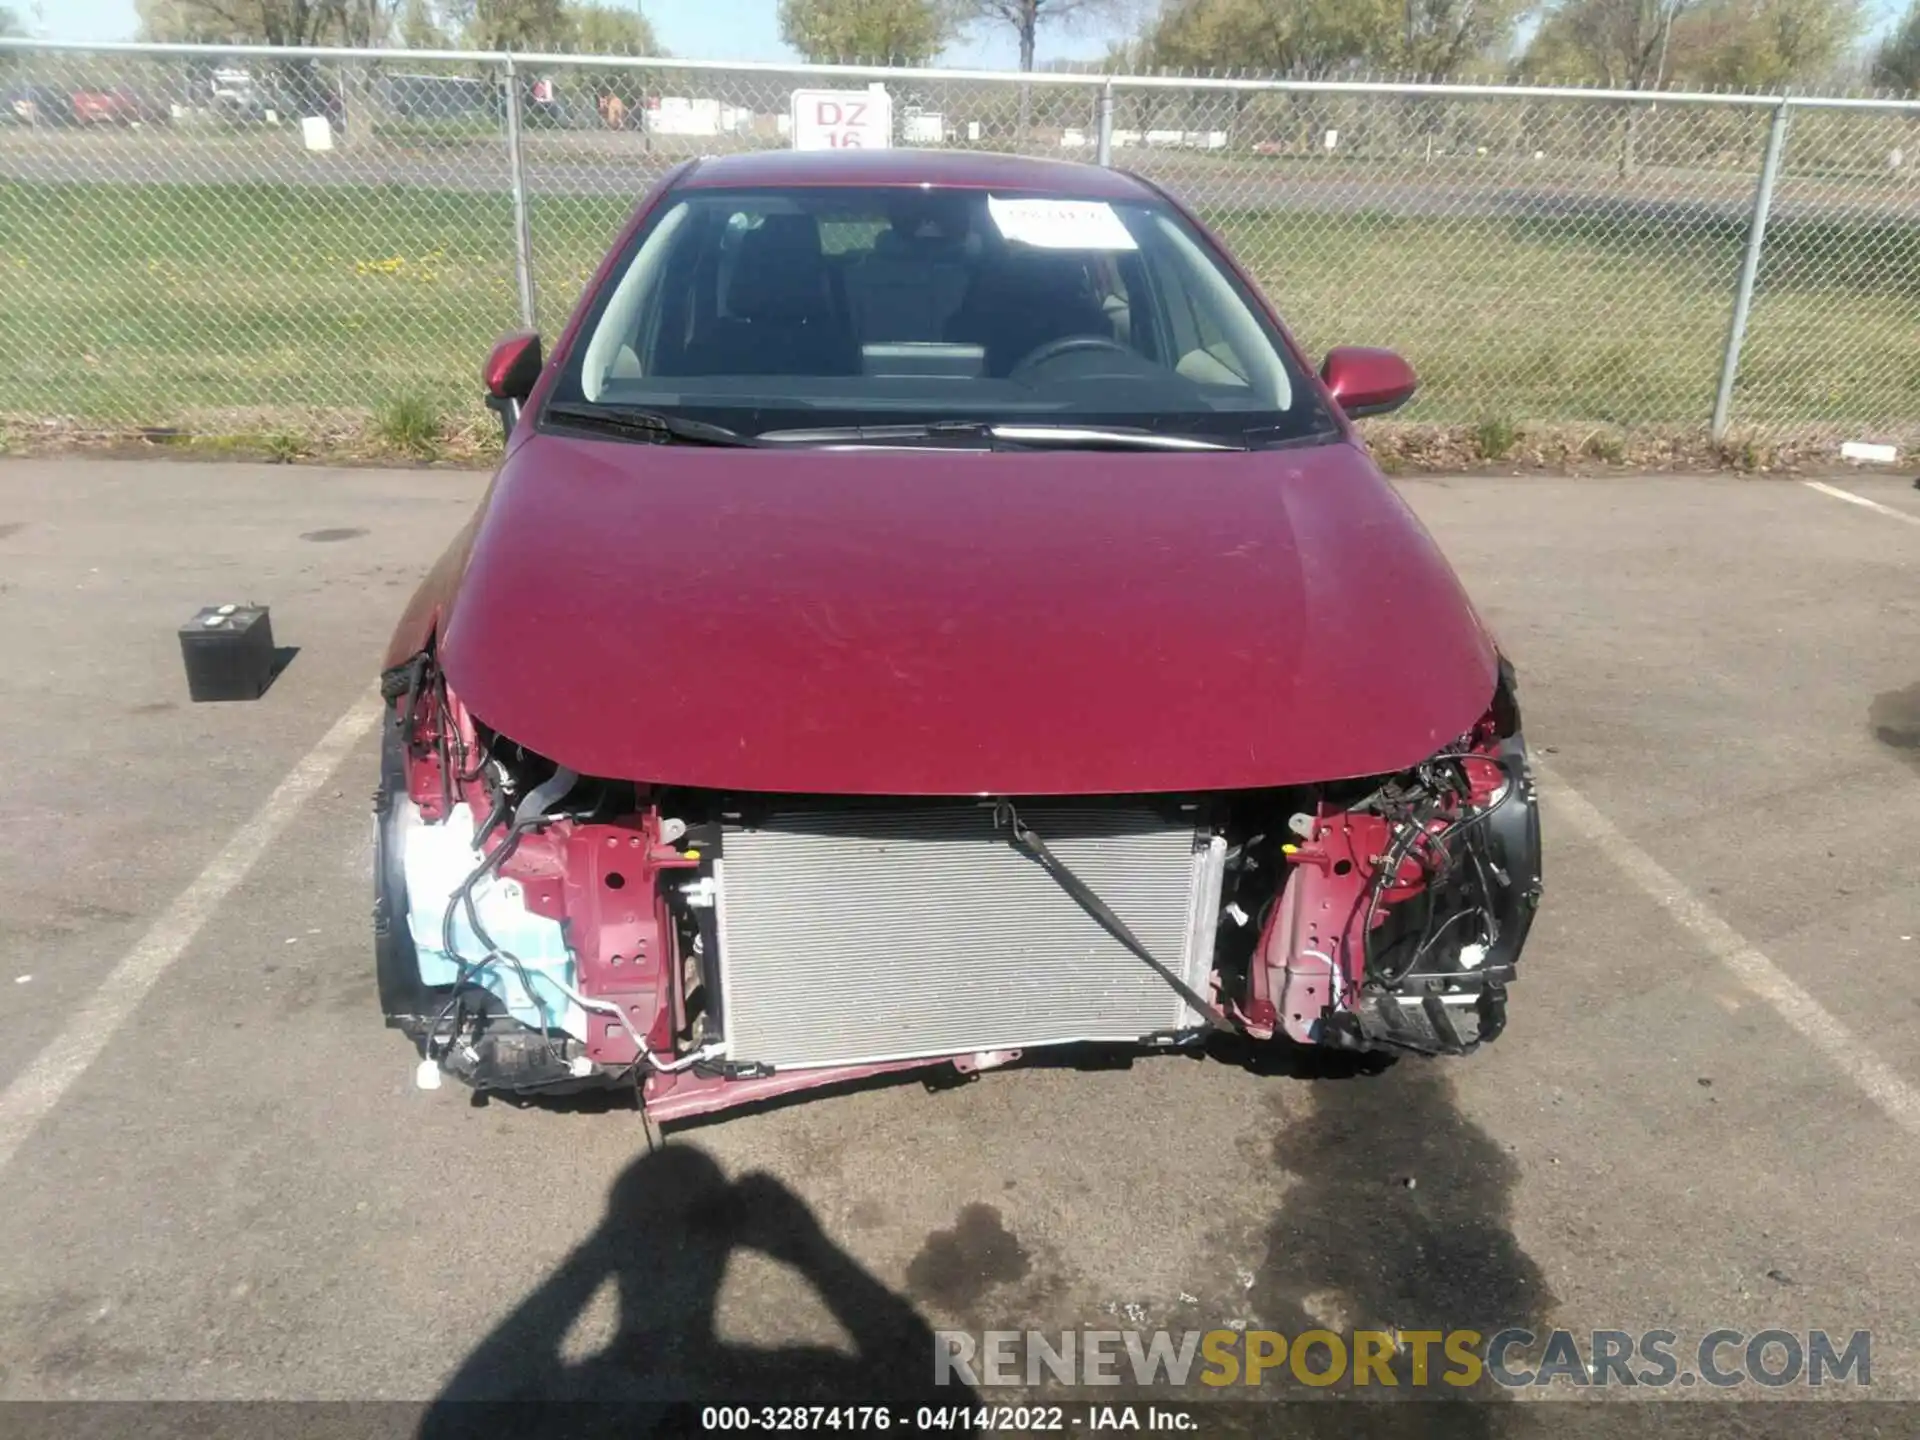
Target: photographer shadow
x=673 y=1219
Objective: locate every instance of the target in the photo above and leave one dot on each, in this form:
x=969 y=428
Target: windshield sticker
x=1060 y=224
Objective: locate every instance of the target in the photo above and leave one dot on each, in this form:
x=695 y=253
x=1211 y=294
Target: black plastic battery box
x=228 y=650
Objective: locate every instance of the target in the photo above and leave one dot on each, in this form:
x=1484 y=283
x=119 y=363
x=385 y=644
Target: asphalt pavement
x=221 y=1182
x=595 y=165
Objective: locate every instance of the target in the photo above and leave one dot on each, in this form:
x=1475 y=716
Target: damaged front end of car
x=539 y=931
x=1400 y=922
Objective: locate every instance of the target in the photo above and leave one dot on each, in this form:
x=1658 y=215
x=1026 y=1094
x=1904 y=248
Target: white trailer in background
x=688 y=115
x=922 y=127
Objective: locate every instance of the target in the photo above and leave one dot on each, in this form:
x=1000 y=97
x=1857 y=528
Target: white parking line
x=1878 y=1081
x=38 y=1088
x=1852 y=499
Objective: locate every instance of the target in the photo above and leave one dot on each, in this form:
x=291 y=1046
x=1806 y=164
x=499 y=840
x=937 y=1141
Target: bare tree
x=1617 y=43
x=1621 y=44
x=1897 y=60
x=421 y=26
x=367 y=23
x=1025 y=17
x=361 y=23
x=268 y=22
x=1439 y=37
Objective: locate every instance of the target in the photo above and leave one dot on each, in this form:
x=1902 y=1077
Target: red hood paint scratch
x=960 y=623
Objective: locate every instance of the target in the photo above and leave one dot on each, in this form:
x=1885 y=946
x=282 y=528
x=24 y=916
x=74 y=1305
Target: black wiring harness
x=1419 y=816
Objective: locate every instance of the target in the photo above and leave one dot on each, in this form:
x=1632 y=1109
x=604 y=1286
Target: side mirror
x=511 y=371
x=1367 y=381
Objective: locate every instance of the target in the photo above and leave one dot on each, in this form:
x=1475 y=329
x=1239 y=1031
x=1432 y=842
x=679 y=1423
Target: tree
x=1309 y=38
x=1321 y=37
x=365 y=23
x=1743 y=44
x=1621 y=44
x=9 y=25
x=421 y=27
x=417 y=24
x=1897 y=62
x=1025 y=17
x=551 y=25
x=1132 y=54
x=514 y=24
x=1764 y=44
x=267 y=22
x=902 y=31
x=603 y=30
x=1439 y=37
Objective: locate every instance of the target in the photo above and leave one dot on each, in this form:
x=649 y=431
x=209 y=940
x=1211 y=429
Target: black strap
x=1031 y=845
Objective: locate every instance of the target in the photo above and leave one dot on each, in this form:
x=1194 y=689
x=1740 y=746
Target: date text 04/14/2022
x=943 y=1419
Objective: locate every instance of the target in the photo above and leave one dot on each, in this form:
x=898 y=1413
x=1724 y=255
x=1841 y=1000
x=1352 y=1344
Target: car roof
x=960 y=169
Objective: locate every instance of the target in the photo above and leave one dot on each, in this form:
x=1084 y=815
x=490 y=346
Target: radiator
x=868 y=935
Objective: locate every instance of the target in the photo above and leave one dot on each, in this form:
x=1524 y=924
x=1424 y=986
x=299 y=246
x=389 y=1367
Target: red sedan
x=115 y=106
x=930 y=610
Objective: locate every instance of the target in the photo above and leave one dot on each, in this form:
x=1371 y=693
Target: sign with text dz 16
x=842 y=119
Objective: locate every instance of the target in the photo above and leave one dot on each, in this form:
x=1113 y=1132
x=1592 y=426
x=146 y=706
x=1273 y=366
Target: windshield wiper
x=1049 y=437
x=1073 y=437
x=648 y=425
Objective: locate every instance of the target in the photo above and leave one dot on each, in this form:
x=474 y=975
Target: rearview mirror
x=511 y=371
x=1367 y=381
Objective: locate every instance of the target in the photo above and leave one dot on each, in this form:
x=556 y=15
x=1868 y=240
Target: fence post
x=1103 y=115
x=1749 y=267
x=522 y=238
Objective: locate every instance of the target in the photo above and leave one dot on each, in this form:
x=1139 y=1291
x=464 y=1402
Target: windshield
x=811 y=308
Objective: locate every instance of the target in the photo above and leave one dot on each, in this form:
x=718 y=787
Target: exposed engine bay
x=539 y=931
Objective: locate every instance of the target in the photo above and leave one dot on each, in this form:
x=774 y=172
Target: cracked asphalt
x=244 y=1196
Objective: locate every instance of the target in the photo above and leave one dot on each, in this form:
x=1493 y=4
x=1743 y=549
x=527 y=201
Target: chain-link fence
x=247 y=239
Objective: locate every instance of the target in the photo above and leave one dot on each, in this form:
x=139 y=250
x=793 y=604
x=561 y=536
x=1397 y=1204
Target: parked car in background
x=931 y=610
x=115 y=105
x=35 y=105
x=543 y=105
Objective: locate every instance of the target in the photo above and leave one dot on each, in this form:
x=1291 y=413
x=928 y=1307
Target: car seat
x=781 y=316
x=1021 y=301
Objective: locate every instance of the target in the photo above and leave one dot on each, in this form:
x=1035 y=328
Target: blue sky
x=700 y=29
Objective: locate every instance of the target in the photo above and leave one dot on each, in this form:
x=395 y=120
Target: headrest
x=780 y=273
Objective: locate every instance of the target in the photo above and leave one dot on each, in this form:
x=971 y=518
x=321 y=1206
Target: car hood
x=961 y=623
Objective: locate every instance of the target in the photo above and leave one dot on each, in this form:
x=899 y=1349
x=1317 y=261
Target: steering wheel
x=1052 y=350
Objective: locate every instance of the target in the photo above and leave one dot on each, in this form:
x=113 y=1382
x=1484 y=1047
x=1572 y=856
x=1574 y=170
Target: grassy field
x=261 y=306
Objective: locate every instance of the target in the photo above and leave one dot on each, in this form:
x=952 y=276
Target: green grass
x=1495 y=438
x=283 y=447
x=146 y=304
x=427 y=130
x=157 y=304
x=408 y=424
x=1607 y=322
